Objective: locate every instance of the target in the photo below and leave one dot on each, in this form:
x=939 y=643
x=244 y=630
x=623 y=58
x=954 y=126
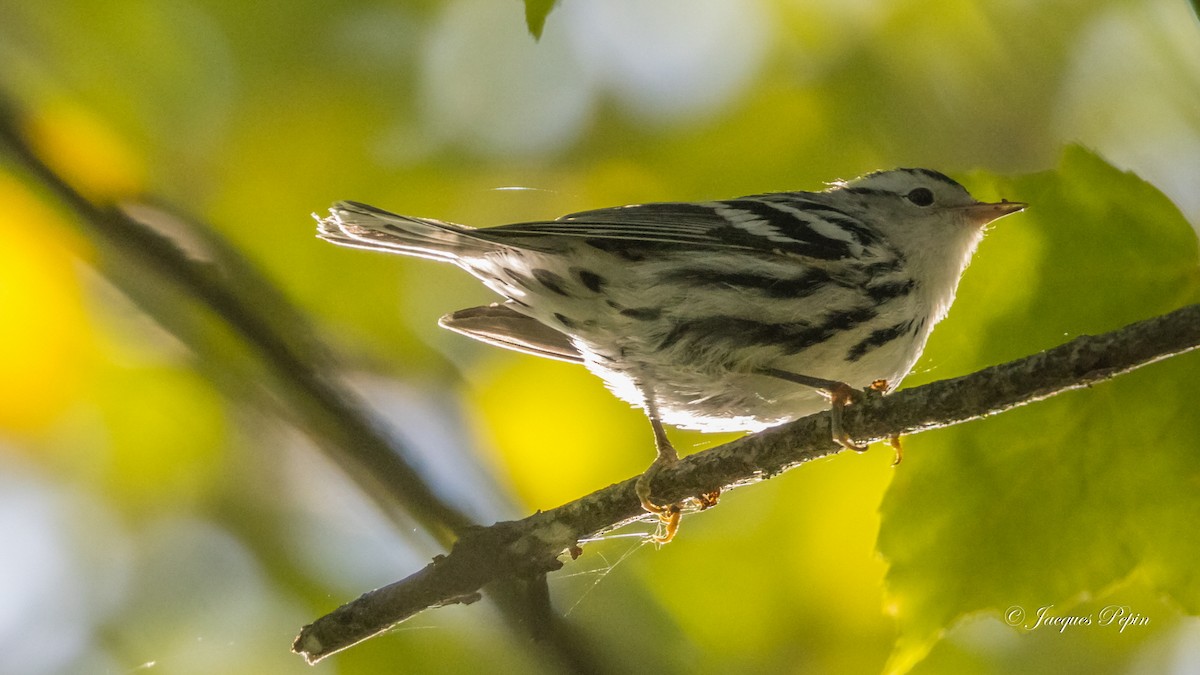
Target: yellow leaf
x=86 y=152
x=45 y=334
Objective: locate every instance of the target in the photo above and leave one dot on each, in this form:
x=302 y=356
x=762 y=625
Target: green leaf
x=1059 y=501
x=536 y=12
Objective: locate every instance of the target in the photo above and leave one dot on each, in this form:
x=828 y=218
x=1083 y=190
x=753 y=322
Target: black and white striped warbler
x=731 y=315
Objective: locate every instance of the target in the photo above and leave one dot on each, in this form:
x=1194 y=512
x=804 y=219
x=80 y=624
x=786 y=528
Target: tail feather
x=502 y=326
x=361 y=226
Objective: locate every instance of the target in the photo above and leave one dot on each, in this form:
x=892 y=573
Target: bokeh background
x=163 y=508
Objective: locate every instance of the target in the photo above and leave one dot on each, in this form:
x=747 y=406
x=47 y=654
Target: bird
x=728 y=315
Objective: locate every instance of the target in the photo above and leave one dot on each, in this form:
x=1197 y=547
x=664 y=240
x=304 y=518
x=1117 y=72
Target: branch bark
x=537 y=544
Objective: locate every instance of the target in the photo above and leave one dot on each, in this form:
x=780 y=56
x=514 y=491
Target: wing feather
x=783 y=223
x=799 y=224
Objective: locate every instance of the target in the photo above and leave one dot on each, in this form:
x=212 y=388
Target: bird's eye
x=920 y=196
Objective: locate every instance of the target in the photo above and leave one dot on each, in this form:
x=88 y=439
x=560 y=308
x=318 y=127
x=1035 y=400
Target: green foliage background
x=158 y=508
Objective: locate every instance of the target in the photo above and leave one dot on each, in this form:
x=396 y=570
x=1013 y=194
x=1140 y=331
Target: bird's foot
x=669 y=515
x=840 y=396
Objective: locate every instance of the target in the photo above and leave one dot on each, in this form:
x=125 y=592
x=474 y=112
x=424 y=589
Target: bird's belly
x=699 y=348
x=705 y=386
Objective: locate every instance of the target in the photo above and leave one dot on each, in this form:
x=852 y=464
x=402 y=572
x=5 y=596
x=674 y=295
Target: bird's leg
x=667 y=456
x=840 y=395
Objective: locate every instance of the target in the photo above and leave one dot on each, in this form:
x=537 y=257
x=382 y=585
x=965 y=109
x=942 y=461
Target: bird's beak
x=983 y=213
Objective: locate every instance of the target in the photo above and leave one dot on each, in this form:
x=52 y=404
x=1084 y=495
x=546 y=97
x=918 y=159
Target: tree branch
x=535 y=545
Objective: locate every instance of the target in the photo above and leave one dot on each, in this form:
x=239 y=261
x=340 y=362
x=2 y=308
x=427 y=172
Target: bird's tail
x=362 y=226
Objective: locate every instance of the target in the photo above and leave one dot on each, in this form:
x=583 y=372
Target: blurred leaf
x=536 y=12
x=167 y=433
x=86 y=152
x=556 y=431
x=166 y=83
x=45 y=333
x=1055 y=502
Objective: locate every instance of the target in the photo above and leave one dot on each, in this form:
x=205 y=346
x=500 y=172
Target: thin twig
x=537 y=544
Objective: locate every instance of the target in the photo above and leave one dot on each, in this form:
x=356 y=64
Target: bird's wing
x=798 y=226
x=502 y=326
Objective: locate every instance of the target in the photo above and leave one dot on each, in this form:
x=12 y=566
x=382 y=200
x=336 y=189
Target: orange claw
x=709 y=499
x=668 y=524
x=894 y=441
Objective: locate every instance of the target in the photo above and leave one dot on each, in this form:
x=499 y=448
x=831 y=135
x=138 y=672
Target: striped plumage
x=688 y=303
x=721 y=316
